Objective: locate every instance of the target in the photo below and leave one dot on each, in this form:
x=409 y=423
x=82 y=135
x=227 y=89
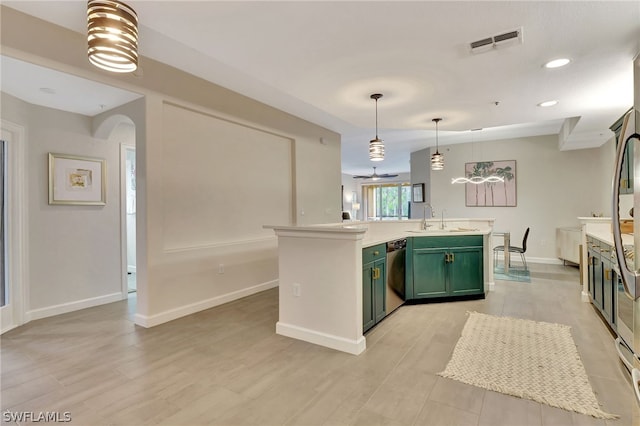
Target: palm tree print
x=491 y=193
x=505 y=173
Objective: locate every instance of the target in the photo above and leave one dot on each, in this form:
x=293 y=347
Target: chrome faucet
x=442 y=219
x=424 y=221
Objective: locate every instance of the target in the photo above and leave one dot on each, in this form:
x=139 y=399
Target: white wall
x=553 y=187
x=421 y=173
x=349 y=187
x=73 y=257
x=179 y=268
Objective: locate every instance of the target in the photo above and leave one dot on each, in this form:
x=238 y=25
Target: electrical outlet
x=296 y=289
x=221 y=268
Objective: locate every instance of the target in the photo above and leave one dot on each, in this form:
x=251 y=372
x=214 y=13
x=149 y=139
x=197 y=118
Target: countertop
x=378 y=232
x=380 y=239
x=607 y=237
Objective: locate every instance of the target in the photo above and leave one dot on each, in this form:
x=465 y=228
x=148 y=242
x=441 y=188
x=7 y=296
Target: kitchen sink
x=438 y=231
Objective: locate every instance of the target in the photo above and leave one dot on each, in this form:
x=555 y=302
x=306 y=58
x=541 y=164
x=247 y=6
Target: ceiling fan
x=375 y=176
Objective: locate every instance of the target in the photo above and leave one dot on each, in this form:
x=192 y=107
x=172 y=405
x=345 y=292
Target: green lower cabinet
x=598 y=294
x=602 y=279
x=429 y=273
x=374 y=275
x=444 y=267
x=465 y=271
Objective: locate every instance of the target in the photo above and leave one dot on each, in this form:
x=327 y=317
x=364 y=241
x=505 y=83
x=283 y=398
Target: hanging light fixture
x=376 y=146
x=112 y=35
x=437 y=159
x=479 y=174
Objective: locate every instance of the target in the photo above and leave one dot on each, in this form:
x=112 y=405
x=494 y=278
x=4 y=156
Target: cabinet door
x=429 y=273
x=597 y=281
x=379 y=290
x=607 y=292
x=465 y=271
x=590 y=261
x=368 y=317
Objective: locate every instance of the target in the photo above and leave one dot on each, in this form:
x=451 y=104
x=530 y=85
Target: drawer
x=443 y=241
x=370 y=254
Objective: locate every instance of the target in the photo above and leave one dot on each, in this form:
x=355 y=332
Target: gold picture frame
x=76 y=180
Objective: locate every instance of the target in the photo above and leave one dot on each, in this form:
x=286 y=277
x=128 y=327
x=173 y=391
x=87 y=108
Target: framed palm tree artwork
x=491 y=184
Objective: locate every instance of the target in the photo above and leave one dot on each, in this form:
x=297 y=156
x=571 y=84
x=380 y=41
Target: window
x=387 y=201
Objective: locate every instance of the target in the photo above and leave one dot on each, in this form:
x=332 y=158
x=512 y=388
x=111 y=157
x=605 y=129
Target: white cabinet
x=568 y=244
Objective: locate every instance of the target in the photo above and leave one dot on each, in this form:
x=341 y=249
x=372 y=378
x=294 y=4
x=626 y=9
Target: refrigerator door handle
x=630 y=278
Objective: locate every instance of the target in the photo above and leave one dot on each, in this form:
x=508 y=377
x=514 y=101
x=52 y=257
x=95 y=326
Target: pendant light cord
x=437 y=120
x=376 y=118
x=437 y=149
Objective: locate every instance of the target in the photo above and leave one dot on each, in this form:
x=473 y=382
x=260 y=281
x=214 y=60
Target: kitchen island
x=321 y=272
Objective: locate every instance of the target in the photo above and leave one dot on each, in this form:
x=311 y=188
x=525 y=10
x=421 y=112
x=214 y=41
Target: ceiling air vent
x=483 y=42
x=493 y=42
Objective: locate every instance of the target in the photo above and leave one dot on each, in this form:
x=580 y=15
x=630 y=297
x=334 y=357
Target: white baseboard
x=8 y=328
x=354 y=347
x=492 y=286
x=585 y=297
x=182 y=311
x=545 y=260
x=76 y=305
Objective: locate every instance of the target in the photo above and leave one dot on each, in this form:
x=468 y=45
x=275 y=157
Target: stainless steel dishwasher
x=395 y=274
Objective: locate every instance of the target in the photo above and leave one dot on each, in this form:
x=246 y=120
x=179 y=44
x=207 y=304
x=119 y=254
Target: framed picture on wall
x=75 y=180
x=418 y=193
x=491 y=184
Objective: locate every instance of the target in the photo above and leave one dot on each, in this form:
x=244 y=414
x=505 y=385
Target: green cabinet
x=444 y=266
x=602 y=279
x=374 y=274
x=590 y=266
x=429 y=273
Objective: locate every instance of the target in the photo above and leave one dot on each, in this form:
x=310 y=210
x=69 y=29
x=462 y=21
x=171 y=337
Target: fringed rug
x=528 y=359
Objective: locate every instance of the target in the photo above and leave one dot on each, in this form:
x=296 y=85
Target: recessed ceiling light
x=547 y=103
x=557 y=63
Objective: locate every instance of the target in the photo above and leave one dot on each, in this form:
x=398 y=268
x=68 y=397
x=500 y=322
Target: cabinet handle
x=376 y=273
x=624 y=183
x=607 y=274
x=375 y=253
x=453 y=257
x=446 y=258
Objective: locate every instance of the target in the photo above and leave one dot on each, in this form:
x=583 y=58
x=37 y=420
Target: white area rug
x=528 y=359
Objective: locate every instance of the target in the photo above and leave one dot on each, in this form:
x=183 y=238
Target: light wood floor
x=226 y=366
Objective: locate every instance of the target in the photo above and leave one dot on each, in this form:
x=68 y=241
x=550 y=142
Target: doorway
x=128 y=157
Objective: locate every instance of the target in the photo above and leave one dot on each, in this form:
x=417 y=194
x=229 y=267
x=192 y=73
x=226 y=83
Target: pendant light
x=112 y=35
x=437 y=159
x=376 y=146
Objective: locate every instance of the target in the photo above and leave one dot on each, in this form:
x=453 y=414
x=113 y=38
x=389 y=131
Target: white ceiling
x=321 y=61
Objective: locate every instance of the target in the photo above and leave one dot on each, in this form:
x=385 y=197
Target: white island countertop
x=379 y=232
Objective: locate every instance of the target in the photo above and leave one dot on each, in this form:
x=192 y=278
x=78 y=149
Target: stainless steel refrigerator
x=627 y=291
